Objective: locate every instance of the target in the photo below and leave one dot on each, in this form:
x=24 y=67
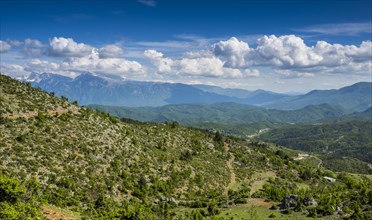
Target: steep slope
x=357 y=97
x=93 y=158
x=94 y=164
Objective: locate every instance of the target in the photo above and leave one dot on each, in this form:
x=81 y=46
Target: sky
x=282 y=46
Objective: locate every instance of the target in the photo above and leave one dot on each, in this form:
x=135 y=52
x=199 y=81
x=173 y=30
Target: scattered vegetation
x=344 y=145
x=56 y=154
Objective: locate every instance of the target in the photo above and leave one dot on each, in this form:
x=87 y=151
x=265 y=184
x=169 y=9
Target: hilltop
x=54 y=152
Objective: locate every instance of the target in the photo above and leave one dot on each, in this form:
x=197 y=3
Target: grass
x=303 y=186
x=310 y=161
x=259 y=179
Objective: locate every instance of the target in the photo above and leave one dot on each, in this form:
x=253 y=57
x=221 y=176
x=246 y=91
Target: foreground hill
x=56 y=153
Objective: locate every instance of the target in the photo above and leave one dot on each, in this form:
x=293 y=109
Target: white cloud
x=337 y=54
x=111 y=51
x=291 y=74
x=289 y=52
x=233 y=51
x=284 y=51
x=287 y=56
x=32 y=48
x=33 y=43
x=16 y=43
x=93 y=63
x=67 y=47
x=12 y=69
x=73 y=66
x=77 y=58
x=163 y=64
x=4 y=46
x=209 y=66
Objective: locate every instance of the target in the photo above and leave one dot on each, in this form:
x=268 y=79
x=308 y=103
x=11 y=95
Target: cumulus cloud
x=109 y=65
x=163 y=64
x=12 y=69
x=91 y=63
x=288 y=56
x=284 y=51
x=289 y=52
x=111 y=51
x=233 y=51
x=67 y=47
x=66 y=57
x=32 y=48
x=209 y=66
x=37 y=65
x=4 y=46
x=33 y=43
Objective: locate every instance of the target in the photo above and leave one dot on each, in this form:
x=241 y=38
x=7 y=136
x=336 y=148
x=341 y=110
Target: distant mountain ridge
x=90 y=89
x=229 y=113
x=356 y=97
x=257 y=97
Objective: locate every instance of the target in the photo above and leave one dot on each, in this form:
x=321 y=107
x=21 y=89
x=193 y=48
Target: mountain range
x=88 y=88
x=227 y=113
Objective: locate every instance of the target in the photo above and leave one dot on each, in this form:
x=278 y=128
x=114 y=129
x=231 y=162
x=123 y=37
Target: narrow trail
x=320 y=161
x=304 y=156
x=229 y=165
x=33 y=114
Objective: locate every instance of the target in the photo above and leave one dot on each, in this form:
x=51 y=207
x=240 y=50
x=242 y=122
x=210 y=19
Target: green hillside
x=337 y=142
x=229 y=118
x=59 y=157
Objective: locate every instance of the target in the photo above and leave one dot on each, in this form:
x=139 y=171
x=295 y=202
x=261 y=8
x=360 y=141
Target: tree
x=218 y=137
x=16 y=201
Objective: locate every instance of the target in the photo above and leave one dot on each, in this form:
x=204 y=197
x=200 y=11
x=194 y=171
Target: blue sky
x=274 y=45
